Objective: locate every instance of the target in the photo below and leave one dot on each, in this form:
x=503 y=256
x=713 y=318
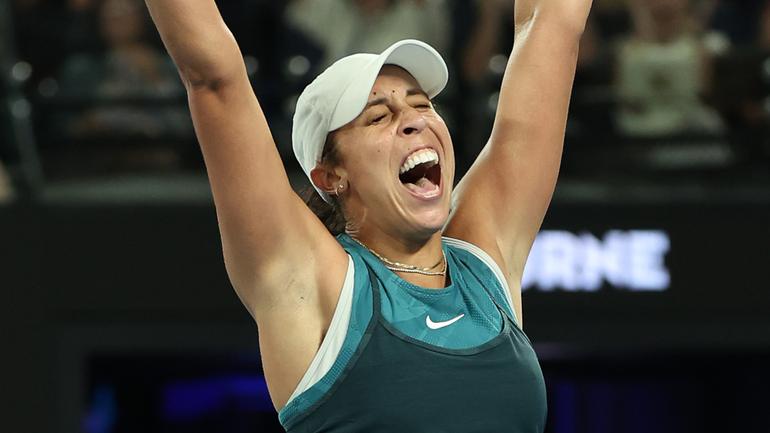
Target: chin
x=431 y=222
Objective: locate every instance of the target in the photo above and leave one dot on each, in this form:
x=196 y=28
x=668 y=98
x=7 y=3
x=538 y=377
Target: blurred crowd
x=666 y=85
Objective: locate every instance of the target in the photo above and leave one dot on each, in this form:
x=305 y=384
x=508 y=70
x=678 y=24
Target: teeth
x=419 y=157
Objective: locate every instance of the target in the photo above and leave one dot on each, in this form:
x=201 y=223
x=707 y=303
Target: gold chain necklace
x=401 y=267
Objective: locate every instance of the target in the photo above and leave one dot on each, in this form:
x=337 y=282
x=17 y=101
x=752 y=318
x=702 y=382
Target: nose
x=412 y=122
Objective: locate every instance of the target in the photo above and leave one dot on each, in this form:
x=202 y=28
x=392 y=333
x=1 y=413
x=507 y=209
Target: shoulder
x=484 y=267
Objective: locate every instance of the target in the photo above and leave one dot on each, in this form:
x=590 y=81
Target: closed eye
x=378 y=119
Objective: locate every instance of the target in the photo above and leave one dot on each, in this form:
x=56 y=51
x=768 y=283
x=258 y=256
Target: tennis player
x=409 y=319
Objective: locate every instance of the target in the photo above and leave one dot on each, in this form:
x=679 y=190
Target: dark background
x=117 y=315
x=134 y=298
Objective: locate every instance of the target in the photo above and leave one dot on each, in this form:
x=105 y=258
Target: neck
x=423 y=253
x=418 y=251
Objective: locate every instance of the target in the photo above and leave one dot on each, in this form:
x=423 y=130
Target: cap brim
x=423 y=62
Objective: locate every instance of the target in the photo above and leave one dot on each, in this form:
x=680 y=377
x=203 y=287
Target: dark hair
x=330 y=214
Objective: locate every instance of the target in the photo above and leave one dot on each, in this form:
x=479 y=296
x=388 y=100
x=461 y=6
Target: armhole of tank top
x=492 y=265
x=334 y=339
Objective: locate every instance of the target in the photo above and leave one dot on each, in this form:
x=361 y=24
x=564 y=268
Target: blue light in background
x=102 y=412
x=192 y=399
x=566 y=401
x=602 y=404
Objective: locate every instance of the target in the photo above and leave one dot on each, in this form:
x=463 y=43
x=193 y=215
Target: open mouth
x=421 y=173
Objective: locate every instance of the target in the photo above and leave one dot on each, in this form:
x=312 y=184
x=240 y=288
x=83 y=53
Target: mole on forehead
x=374 y=92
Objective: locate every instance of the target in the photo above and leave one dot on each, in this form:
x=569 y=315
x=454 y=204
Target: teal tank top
x=426 y=360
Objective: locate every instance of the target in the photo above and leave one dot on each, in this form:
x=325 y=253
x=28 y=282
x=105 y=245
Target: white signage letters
x=632 y=260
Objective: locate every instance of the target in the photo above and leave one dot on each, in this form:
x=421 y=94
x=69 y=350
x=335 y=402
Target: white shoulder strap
x=335 y=337
x=491 y=264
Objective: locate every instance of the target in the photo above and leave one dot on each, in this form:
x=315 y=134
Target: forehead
x=393 y=77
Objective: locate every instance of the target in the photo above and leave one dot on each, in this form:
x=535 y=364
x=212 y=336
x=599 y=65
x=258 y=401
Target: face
x=398 y=161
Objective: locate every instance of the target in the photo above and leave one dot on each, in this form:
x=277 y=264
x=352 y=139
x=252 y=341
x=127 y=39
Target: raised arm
x=270 y=238
x=501 y=202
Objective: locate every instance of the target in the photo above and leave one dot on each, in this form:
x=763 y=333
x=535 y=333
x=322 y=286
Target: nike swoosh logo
x=438 y=325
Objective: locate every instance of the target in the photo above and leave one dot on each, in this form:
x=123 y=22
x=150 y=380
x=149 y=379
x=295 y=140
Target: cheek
x=438 y=123
x=443 y=132
x=377 y=150
x=370 y=163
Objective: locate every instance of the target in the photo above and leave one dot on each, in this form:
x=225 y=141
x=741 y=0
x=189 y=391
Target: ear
x=325 y=179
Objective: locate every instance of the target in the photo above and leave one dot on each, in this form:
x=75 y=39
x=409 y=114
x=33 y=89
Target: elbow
x=211 y=69
x=212 y=75
x=568 y=25
x=194 y=80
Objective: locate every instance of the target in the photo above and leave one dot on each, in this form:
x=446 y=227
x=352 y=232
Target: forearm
x=538 y=79
x=569 y=15
x=196 y=37
x=537 y=83
x=528 y=133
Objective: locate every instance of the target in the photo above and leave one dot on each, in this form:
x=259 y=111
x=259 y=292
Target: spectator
x=130 y=68
x=369 y=25
x=663 y=71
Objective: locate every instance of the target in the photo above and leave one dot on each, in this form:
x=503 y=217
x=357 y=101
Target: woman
x=663 y=71
x=387 y=327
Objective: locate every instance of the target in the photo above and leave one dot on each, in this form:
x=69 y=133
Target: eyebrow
x=378 y=101
x=410 y=92
x=416 y=91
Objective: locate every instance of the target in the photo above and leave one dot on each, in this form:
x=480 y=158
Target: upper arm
x=283 y=263
x=272 y=242
x=268 y=233
x=501 y=202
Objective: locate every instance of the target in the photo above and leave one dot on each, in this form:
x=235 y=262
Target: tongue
x=422 y=187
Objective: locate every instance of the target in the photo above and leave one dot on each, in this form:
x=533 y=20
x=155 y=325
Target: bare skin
x=286 y=268
x=379 y=209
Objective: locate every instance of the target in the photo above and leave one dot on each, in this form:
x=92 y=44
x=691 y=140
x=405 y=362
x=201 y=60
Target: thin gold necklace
x=401 y=267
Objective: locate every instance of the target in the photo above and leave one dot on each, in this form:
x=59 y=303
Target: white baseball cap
x=340 y=93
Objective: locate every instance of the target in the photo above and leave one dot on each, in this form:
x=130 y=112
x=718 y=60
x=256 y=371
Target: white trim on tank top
x=490 y=262
x=335 y=336
x=338 y=328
